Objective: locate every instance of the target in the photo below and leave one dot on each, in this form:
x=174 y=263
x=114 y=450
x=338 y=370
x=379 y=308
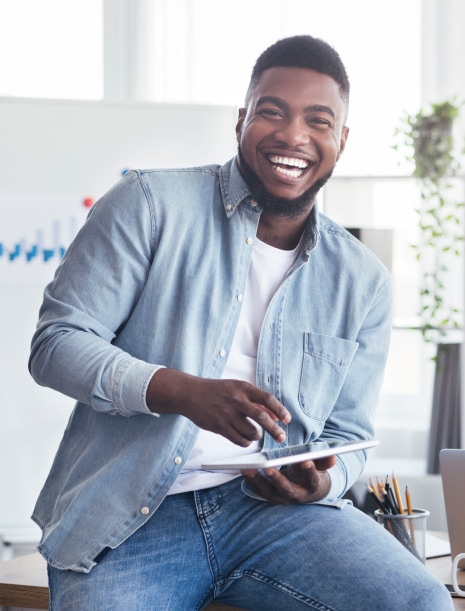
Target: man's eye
x=269 y=112
x=319 y=122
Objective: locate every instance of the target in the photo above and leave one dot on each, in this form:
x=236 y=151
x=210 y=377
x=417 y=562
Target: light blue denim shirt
x=154 y=277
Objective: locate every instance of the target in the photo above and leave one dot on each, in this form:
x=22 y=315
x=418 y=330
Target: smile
x=289 y=166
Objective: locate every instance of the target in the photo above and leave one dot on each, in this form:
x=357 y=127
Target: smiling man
x=290 y=136
x=203 y=314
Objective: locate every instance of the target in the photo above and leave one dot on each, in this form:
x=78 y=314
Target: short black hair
x=302 y=51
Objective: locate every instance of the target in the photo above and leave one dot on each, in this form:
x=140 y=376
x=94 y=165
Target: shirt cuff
x=130 y=388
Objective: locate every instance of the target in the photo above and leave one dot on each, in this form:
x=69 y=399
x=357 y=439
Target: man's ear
x=342 y=145
x=240 y=121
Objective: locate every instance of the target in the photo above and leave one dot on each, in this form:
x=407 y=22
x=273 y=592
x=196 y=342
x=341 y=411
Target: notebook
x=452 y=465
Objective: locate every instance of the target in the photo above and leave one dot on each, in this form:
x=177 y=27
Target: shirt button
x=222 y=352
x=249 y=241
x=178 y=460
x=145 y=511
x=240 y=297
x=229 y=207
x=254 y=202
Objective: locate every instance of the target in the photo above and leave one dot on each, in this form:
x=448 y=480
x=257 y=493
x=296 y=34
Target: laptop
x=452 y=465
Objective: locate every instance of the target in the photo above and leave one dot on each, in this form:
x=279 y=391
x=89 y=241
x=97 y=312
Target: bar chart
x=36 y=234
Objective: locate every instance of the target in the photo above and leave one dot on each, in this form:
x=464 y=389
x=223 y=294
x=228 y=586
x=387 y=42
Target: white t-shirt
x=268 y=268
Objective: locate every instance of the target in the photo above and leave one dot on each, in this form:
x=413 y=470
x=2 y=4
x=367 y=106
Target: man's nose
x=293 y=132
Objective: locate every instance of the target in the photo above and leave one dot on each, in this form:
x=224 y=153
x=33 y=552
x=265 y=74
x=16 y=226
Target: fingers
x=267 y=411
x=251 y=403
x=274 y=487
x=303 y=482
x=243 y=432
x=323 y=464
x=268 y=422
x=233 y=408
x=269 y=403
x=320 y=464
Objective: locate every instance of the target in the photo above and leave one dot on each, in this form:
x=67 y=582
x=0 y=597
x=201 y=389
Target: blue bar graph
x=39 y=248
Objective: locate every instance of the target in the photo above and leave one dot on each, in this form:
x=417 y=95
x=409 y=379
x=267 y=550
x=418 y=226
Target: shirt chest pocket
x=326 y=362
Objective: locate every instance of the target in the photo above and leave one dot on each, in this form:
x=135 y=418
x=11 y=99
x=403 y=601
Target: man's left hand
x=304 y=482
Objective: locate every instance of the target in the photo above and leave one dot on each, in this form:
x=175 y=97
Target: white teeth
x=292 y=173
x=290 y=161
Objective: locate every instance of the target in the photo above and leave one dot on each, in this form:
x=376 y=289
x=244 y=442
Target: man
x=207 y=312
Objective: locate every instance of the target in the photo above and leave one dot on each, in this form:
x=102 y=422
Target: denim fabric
x=153 y=278
x=218 y=544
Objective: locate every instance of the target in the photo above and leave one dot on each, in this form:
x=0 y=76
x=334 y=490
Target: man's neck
x=281 y=232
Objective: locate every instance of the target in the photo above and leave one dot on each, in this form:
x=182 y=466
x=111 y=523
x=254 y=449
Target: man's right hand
x=226 y=407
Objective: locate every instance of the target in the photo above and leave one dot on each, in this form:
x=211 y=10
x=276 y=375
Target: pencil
x=388 y=501
x=390 y=494
x=373 y=490
x=380 y=485
x=397 y=493
x=377 y=500
x=409 y=501
x=410 y=512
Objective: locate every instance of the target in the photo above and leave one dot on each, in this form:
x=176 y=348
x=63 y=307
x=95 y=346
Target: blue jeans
x=220 y=544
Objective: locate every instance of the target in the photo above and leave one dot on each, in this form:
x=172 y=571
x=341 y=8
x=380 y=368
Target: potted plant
x=429 y=138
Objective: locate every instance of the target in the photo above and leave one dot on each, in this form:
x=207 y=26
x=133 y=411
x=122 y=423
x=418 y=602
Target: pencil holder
x=409 y=529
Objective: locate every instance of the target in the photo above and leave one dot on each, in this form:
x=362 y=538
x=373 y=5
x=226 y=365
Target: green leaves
x=428 y=137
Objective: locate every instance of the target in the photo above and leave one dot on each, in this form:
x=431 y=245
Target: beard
x=290 y=209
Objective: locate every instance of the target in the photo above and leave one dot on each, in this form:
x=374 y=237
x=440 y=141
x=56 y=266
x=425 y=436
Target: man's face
x=292 y=132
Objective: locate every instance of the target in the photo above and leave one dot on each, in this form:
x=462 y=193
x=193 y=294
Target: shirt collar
x=233 y=187
x=235 y=191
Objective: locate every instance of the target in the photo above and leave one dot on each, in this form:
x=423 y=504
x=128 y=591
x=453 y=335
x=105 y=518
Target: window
x=51 y=48
x=206 y=49
x=202 y=52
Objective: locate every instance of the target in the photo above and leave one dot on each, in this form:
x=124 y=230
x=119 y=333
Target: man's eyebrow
x=270 y=99
x=320 y=108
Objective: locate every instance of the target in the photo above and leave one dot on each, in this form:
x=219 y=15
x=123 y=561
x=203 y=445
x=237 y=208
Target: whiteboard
x=55 y=157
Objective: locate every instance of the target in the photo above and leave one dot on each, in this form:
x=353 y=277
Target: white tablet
x=289 y=454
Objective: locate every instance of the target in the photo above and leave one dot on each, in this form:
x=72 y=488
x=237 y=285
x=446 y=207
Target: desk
x=441 y=567
x=23 y=583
